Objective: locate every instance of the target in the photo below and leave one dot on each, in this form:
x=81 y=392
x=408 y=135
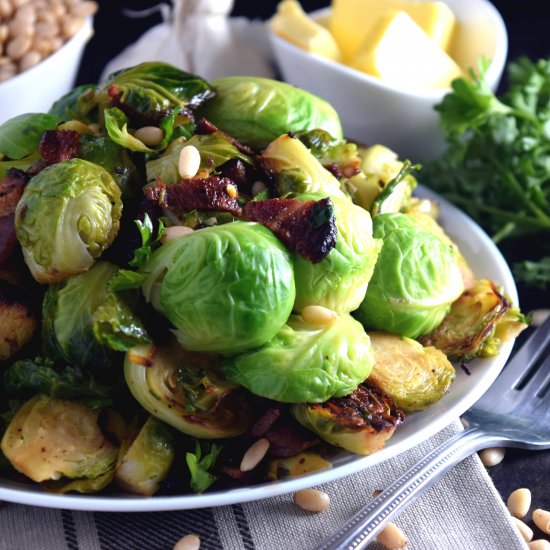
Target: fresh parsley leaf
x=534 y=273
x=200 y=466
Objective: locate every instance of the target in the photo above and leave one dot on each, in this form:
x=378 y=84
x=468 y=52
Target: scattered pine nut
x=189 y=161
x=174 y=232
x=519 y=502
x=392 y=538
x=149 y=135
x=188 y=542
x=231 y=191
x=312 y=500
x=539 y=544
x=319 y=316
x=254 y=455
x=524 y=529
x=539 y=316
x=258 y=187
x=542 y=520
x=492 y=456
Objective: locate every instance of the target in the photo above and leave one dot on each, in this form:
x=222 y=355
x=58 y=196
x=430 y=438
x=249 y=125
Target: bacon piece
x=195 y=194
x=8 y=240
x=308 y=227
x=11 y=189
x=264 y=423
x=59 y=145
x=288 y=440
x=205 y=127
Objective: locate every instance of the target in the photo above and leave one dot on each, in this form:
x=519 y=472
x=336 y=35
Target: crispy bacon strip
x=287 y=439
x=308 y=227
x=11 y=189
x=59 y=145
x=195 y=194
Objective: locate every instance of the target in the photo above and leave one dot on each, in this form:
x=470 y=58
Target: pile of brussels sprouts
x=163 y=353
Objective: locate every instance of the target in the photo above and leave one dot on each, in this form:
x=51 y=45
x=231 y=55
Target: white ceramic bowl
x=375 y=112
x=34 y=90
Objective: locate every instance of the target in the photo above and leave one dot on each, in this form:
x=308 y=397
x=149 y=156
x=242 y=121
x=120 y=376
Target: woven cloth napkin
x=462 y=511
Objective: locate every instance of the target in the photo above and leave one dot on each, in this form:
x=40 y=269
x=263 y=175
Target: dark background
x=528 y=26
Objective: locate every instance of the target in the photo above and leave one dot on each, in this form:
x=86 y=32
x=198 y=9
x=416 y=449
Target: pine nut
x=539 y=544
x=19 y=3
x=211 y=221
x=318 y=316
x=46 y=30
x=519 y=502
x=525 y=531
x=189 y=161
x=26 y=13
x=312 y=500
x=232 y=191
x=254 y=455
x=392 y=538
x=94 y=127
x=6 y=9
x=7 y=71
x=542 y=520
x=18 y=47
x=188 y=542
x=172 y=233
x=71 y=25
x=539 y=316
x=258 y=187
x=4 y=33
x=149 y=135
x=84 y=9
x=46 y=16
x=19 y=27
x=30 y=59
x=492 y=456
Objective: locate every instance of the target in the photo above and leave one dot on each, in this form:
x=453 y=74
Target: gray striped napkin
x=463 y=511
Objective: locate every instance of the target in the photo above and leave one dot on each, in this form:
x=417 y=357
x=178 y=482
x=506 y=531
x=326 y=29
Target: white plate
x=485 y=260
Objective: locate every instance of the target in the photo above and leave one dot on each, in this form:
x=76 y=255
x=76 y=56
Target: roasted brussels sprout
x=412 y=375
x=305 y=363
x=185 y=390
x=340 y=281
x=294 y=466
x=67 y=106
x=298 y=171
x=226 y=289
x=50 y=438
x=471 y=327
x=360 y=422
x=149 y=91
x=84 y=321
x=147 y=460
x=215 y=150
x=397 y=193
x=68 y=215
x=257 y=110
x=415 y=280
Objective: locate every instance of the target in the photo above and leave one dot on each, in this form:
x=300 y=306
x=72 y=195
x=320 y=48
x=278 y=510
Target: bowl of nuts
x=41 y=44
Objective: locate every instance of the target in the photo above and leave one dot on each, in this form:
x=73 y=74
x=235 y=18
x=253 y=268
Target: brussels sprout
x=151 y=90
x=412 y=375
x=68 y=215
x=184 y=390
x=67 y=106
x=294 y=466
x=300 y=171
x=41 y=375
x=148 y=459
x=215 y=150
x=360 y=422
x=340 y=281
x=415 y=280
x=397 y=193
x=20 y=136
x=257 y=110
x=471 y=327
x=83 y=320
x=49 y=438
x=226 y=289
x=306 y=363
x=115 y=159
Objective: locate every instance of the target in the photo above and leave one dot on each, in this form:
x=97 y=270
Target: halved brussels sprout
x=298 y=170
x=226 y=289
x=51 y=438
x=257 y=110
x=305 y=363
x=185 y=390
x=415 y=280
x=148 y=459
x=294 y=466
x=68 y=215
x=340 y=281
x=397 y=193
x=472 y=325
x=83 y=321
x=214 y=149
x=412 y=375
x=360 y=422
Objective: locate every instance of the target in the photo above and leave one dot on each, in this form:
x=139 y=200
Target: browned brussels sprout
x=412 y=375
x=360 y=422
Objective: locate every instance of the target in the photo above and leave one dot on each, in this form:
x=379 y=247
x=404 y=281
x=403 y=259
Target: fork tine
x=537 y=385
x=525 y=357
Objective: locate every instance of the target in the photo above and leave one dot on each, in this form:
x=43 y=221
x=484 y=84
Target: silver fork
x=514 y=412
